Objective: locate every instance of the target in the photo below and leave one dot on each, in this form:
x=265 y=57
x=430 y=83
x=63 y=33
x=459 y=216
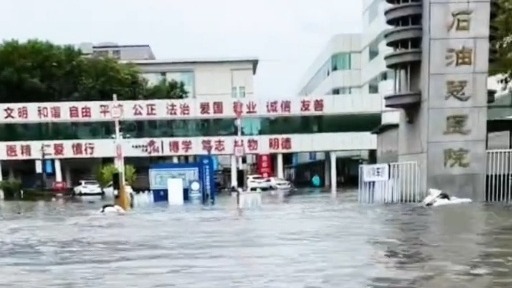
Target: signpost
x=239 y=145
x=116 y=112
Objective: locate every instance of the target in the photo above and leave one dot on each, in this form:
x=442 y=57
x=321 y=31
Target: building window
x=100 y=53
x=238 y=92
x=373 y=49
x=185 y=77
x=116 y=54
x=373 y=10
x=373 y=85
x=342 y=90
x=341 y=61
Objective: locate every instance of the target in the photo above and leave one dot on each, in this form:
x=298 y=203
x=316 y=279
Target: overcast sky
x=286 y=35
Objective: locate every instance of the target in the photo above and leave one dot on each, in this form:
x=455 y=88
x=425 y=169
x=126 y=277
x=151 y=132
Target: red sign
x=280 y=143
x=316 y=105
x=55 y=150
x=178 y=147
x=265 y=165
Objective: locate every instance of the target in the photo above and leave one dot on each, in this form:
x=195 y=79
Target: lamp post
x=117 y=113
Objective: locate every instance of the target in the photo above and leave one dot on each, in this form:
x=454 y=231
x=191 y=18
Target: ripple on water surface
x=309 y=241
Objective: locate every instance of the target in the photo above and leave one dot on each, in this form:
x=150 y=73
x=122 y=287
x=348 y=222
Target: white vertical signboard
x=375 y=172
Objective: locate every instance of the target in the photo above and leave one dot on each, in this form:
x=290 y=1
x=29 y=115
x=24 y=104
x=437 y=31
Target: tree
x=501 y=40
x=39 y=71
x=166 y=90
x=105 y=173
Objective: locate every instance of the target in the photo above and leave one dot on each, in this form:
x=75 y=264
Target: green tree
x=105 y=173
x=501 y=40
x=37 y=71
x=166 y=90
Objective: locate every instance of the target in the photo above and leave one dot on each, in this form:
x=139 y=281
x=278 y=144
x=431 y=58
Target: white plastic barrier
x=142 y=198
x=249 y=200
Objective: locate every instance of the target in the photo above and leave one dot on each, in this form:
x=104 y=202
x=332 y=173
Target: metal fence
x=390 y=183
x=499 y=176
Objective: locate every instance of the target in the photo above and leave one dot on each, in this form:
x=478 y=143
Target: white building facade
x=78 y=136
x=364 y=77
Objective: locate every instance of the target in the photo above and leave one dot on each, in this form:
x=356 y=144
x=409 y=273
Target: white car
x=279 y=183
x=257 y=181
x=88 y=187
x=110 y=192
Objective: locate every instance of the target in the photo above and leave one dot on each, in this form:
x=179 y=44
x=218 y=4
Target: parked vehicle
x=257 y=181
x=88 y=188
x=278 y=183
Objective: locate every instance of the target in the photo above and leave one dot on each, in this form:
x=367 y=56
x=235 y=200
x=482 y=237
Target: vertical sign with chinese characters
x=265 y=165
x=457 y=96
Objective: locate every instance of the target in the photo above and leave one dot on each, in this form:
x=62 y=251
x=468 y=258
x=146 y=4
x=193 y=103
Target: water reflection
x=307 y=241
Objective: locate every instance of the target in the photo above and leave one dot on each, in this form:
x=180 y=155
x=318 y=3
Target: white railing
x=390 y=183
x=499 y=176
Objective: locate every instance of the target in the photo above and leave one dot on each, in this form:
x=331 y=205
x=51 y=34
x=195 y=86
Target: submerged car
x=88 y=188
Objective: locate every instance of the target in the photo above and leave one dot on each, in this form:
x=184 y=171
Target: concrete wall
x=387 y=146
x=453 y=162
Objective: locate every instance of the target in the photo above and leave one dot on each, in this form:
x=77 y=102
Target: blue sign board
x=48 y=167
x=159 y=173
x=207 y=179
x=201 y=171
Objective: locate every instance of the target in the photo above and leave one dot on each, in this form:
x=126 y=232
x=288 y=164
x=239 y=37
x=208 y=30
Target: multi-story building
x=116 y=51
x=352 y=65
x=77 y=137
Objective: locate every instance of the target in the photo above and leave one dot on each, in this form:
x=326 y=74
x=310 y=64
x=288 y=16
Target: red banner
x=265 y=165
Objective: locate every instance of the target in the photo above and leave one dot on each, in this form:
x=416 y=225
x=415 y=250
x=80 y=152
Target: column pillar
x=175 y=159
x=58 y=170
x=234 y=180
x=280 y=168
x=2 y=196
x=327 y=170
x=67 y=176
x=11 y=174
x=332 y=156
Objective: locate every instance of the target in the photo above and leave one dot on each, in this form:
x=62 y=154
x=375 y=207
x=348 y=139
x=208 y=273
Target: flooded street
x=309 y=241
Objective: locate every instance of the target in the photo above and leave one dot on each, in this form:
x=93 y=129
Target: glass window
x=191 y=128
x=116 y=54
x=342 y=90
x=373 y=10
x=341 y=61
x=373 y=50
x=186 y=77
x=238 y=92
x=100 y=53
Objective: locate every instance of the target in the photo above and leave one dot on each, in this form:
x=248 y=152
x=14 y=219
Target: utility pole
x=43 y=173
x=117 y=113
